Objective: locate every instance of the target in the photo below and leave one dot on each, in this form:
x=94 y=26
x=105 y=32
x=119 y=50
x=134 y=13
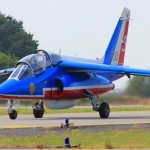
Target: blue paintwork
x=60 y=74
x=74 y=73
x=98 y=68
x=21 y=87
x=112 y=45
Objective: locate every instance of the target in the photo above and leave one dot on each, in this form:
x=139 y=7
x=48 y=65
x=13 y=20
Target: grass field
x=131 y=139
x=114 y=139
x=27 y=111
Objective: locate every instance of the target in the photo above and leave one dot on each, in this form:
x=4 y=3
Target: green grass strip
x=114 y=139
x=28 y=111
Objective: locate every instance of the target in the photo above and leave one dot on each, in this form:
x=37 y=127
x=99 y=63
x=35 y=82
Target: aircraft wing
x=6 y=71
x=75 y=66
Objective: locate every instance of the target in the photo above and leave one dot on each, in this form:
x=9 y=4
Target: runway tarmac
x=52 y=120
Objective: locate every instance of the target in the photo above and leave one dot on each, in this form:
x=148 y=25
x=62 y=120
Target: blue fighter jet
x=61 y=81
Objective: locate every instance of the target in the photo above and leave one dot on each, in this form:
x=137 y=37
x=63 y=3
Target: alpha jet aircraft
x=60 y=81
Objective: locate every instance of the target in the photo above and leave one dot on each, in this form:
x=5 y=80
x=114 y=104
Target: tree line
x=15 y=42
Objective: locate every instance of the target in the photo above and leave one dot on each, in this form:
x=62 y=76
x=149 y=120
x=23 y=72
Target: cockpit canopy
x=34 y=63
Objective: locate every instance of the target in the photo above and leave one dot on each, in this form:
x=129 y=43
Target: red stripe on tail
x=123 y=46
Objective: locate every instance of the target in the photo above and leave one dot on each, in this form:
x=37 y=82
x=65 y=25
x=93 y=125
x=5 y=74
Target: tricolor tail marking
x=115 y=52
x=123 y=46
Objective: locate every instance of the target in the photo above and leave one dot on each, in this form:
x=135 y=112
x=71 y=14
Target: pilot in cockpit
x=30 y=64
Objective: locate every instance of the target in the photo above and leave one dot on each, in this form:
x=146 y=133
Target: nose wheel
x=12 y=113
x=38 y=110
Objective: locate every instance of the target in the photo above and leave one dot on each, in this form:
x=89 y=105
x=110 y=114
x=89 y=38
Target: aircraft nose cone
x=8 y=87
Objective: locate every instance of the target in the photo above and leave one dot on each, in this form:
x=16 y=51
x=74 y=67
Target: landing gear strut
x=38 y=110
x=12 y=113
x=103 y=108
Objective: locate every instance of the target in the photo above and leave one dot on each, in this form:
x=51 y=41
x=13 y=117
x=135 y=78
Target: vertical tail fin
x=115 y=52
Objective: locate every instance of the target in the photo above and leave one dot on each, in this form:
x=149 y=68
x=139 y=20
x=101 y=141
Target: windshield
x=21 y=72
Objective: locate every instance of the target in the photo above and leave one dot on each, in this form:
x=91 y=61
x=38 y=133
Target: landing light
x=67 y=125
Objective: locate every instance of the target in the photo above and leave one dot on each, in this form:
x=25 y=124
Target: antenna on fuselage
x=59 y=51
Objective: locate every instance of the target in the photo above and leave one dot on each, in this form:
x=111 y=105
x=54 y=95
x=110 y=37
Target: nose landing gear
x=12 y=113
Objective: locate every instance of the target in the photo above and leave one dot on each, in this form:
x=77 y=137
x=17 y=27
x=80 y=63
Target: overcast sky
x=84 y=27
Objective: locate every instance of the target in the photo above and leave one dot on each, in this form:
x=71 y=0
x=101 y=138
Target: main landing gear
x=12 y=113
x=103 y=108
x=38 y=109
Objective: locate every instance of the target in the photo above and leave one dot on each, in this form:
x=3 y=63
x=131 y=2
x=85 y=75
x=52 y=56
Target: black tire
x=13 y=115
x=38 y=113
x=104 y=110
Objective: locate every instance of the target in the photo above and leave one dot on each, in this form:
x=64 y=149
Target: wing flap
x=75 y=66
